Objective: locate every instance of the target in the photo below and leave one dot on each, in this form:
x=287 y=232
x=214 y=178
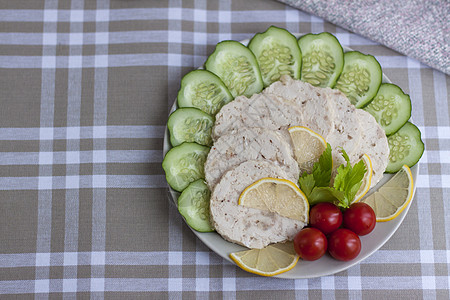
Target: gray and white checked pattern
x=86 y=87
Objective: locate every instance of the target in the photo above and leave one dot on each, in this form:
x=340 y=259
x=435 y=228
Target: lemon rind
x=369 y=180
x=410 y=196
x=261 y=273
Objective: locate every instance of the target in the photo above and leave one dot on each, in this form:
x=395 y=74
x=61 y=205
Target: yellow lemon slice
x=392 y=198
x=276 y=195
x=365 y=186
x=308 y=146
x=271 y=260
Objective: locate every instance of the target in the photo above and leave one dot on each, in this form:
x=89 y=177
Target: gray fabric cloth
x=417 y=28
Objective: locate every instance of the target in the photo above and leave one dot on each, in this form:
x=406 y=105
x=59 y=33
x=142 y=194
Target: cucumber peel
x=323 y=59
x=237 y=67
x=193 y=205
x=277 y=53
x=405 y=148
x=203 y=90
x=390 y=107
x=190 y=125
x=360 y=78
x=184 y=164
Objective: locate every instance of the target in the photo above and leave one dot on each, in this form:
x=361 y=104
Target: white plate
x=325 y=265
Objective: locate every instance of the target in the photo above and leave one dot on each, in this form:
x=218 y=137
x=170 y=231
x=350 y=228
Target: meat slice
x=346 y=132
x=232 y=149
x=317 y=111
x=373 y=143
x=258 y=111
x=246 y=226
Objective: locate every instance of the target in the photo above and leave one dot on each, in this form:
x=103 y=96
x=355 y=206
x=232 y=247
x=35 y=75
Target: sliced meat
x=246 y=226
x=317 y=111
x=346 y=132
x=258 y=111
x=373 y=143
x=232 y=149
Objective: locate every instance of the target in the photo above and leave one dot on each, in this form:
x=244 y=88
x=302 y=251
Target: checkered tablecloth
x=85 y=91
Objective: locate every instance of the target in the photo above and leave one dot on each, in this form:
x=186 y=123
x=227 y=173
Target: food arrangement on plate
x=275 y=145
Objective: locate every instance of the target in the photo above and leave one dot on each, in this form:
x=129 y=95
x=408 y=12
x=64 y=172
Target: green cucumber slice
x=405 y=147
x=277 y=53
x=190 y=125
x=390 y=107
x=323 y=59
x=236 y=65
x=204 y=90
x=193 y=205
x=184 y=164
x=360 y=78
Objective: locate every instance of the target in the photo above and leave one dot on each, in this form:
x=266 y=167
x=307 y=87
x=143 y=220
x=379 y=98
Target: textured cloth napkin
x=417 y=28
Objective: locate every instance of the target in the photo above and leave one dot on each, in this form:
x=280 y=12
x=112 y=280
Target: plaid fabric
x=85 y=90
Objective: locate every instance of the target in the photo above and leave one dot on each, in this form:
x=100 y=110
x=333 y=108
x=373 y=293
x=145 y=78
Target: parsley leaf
x=307 y=184
x=320 y=177
x=322 y=170
x=347 y=182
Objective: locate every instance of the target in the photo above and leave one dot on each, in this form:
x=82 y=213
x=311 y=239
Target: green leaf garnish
x=320 y=176
x=349 y=179
x=322 y=169
x=347 y=182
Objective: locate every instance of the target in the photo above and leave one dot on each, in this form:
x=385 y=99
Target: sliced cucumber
x=390 y=107
x=360 y=78
x=405 y=148
x=184 y=164
x=204 y=90
x=323 y=59
x=277 y=53
x=193 y=205
x=236 y=65
x=190 y=125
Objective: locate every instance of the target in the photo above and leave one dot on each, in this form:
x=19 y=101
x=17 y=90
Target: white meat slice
x=246 y=226
x=258 y=111
x=373 y=143
x=317 y=112
x=346 y=132
x=232 y=149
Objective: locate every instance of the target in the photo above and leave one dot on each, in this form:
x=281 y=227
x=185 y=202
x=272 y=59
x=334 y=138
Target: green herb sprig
x=347 y=182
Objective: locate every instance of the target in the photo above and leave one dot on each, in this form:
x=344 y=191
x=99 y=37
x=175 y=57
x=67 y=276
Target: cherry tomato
x=310 y=244
x=325 y=216
x=344 y=244
x=360 y=218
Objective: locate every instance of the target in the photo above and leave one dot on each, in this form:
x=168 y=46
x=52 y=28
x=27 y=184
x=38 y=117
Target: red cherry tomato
x=310 y=244
x=360 y=218
x=344 y=244
x=325 y=216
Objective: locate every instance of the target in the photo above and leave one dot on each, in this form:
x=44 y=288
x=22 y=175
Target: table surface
x=86 y=87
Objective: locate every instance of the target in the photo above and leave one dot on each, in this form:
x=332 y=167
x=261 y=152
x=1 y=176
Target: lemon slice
x=269 y=261
x=308 y=146
x=280 y=196
x=392 y=198
x=365 y=186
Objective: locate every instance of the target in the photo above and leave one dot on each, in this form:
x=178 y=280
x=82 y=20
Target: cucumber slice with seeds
x=360 y=78
x=390 y=107
x=204 y=90
x=323 y=59
x=405 y=147
x=236 y=65
x=184 y=164
x=277 y=53
x=190 y=125
x=193 y=205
